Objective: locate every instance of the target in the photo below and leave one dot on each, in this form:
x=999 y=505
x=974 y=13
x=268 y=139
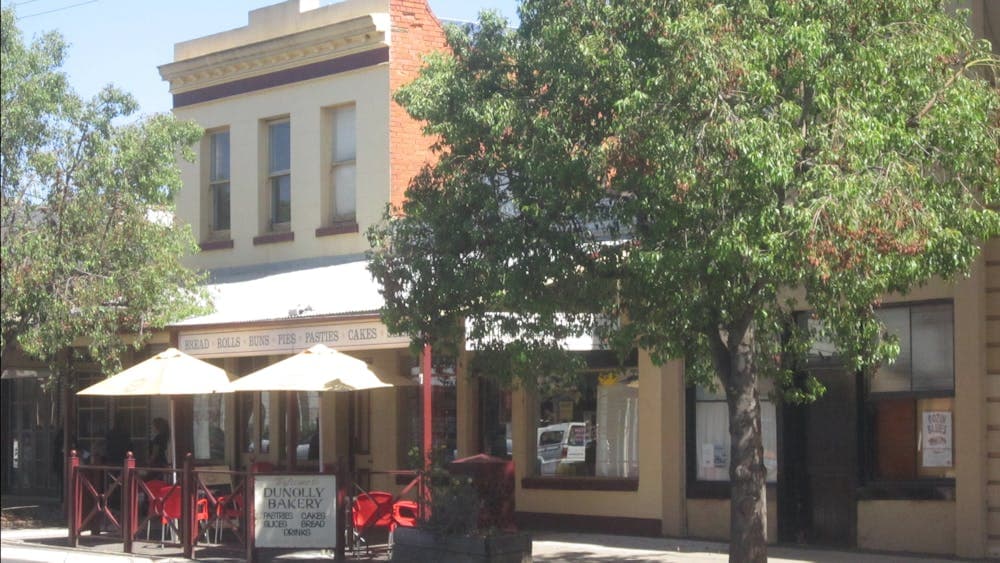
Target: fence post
x=249 y=527
x=128 y=502
x=343 y=511
x=72 y=498
x=188 y=494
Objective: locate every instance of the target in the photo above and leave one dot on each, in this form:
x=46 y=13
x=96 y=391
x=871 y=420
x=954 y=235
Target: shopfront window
x=307 y=448
x=712 y=443
x=209 y=428
x=910 y=408
x=256 y=425
x=495 y=436
x=591 y=429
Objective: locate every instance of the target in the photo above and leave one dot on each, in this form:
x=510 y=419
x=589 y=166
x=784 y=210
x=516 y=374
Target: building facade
x=303 y=150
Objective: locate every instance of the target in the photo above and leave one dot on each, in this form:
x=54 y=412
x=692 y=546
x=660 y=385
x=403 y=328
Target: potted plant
x=462 y=522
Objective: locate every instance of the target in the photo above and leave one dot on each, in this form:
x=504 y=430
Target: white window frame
x=275 y=175
x=341 y=160
x=216 y=183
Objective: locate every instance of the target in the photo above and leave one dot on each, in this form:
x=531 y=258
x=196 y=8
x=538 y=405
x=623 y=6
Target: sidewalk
x=47 y=544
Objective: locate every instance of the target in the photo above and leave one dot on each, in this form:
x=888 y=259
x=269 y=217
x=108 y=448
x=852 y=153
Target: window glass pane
x=308 y=442
x=279 y=146
x=769 y=427
x=258 y=426
x=344 y=191
x=362 y=401
x=591 y=430
x=246 y=420
x=209 y=427
x=712 y=439
x=220 y=206
x=220 y=157
x=265 y=422
x=617 y=446
x=281 y=199
x=896 y=375
x=822 y=347
x=344 y=143
x=706 y=394
x=933 y=348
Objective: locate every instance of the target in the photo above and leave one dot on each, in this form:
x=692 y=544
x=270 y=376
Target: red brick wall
x=415 y=32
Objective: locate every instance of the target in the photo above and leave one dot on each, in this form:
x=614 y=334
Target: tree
x=686 y=167
x=91 y=251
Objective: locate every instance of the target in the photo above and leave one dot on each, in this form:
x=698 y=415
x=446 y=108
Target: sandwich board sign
x=295 y=511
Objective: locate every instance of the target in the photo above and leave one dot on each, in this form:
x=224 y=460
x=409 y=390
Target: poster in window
x=707 y=455
x=721 y=455
x=937 y=441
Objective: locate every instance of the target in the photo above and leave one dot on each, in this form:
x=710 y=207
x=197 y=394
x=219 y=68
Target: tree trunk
x=747 y=474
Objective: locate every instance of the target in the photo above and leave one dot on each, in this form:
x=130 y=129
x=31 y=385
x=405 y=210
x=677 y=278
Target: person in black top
x=159 y=442
x=117 y=443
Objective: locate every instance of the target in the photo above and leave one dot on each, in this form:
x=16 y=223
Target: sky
x=122 y=42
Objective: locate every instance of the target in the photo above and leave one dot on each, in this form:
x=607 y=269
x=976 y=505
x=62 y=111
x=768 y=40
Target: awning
x=293 y=290
x=491 y=324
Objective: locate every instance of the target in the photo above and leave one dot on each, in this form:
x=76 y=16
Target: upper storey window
x=343 y=164
x=218 y=179
x=279 y=147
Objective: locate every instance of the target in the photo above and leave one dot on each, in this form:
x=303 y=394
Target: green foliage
x=91 y=249
x=685 y=165
x=454 y=501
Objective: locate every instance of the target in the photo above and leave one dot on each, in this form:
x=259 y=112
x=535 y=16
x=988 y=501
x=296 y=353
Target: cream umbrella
x=319 y=368
x=170 y=372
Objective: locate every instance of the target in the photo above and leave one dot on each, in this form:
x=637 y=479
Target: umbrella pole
x=173 y=443
x=320 y=430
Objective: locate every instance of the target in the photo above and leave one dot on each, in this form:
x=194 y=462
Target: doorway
x=32 y=438
x=817 y=493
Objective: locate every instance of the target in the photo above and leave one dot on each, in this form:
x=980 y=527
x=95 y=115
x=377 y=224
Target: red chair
x=262 y=467
x=404 y=514
x=154 y=502
x=371 y=512
x=170 y=503
x=228 y=513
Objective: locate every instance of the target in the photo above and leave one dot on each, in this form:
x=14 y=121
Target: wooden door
x=820 y=470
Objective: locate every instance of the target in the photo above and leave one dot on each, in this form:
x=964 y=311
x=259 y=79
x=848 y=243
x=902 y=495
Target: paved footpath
x=46 y=544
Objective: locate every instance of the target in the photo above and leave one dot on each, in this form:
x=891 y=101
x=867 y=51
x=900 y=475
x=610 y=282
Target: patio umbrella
x=317 y=369
x=171 y=373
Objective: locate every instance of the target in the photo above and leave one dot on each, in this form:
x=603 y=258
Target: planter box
x=419 y=546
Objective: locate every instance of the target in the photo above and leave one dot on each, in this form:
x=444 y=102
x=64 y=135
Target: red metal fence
x=112 y=498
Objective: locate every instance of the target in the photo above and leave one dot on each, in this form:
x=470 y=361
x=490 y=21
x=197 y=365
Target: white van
x=561 y=444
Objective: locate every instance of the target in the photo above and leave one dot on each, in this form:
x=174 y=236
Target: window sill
x=921 y=489
x=341 y=228
x=215 y=245
x=580 y=483
x=271 y=238
x=720 y=490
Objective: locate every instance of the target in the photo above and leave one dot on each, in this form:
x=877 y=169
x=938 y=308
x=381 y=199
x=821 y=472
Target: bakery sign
x=364 y=335
x=295 y=511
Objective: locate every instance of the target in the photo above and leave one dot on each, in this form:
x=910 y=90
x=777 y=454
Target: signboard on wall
x=937 y=436
x=277 y=340
x=295 y=511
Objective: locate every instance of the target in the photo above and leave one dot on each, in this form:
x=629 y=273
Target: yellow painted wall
x=901 y=525
x=709 y=519
x=303 y=103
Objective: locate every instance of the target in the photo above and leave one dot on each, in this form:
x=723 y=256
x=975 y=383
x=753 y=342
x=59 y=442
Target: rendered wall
x=709 y=519
x=303 y=103
x=926 y=528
